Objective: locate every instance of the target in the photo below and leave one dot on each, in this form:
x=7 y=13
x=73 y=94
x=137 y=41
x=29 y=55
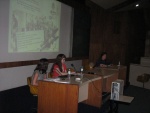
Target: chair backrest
x=49 y=75
x=143 y=78
x=33 y=89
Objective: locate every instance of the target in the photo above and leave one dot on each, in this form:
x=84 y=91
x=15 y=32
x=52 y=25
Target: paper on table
x=57 y=80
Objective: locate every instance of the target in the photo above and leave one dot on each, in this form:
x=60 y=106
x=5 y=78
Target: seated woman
x=102 y=61
x=59 y=67
x=40 y=71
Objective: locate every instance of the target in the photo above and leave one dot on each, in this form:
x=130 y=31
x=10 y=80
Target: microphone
x=73 y=67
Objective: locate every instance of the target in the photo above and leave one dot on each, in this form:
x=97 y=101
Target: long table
x=108 y=76
x=63 y=96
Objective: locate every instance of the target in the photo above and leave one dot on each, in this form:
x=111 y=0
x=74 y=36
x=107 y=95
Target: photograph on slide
x=34 y=26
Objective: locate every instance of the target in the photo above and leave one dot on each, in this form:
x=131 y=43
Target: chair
x=49 y=75
x=34 y=92
x=33 y=89
x=143 y=78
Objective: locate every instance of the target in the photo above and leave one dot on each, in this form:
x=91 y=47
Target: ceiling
x=108 y=3
x=122 y=5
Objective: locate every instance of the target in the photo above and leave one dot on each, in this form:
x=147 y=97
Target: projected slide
x=34 y=26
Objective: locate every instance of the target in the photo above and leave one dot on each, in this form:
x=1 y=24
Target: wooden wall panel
x=120 y=34
x=33 y=62
x=108 y=33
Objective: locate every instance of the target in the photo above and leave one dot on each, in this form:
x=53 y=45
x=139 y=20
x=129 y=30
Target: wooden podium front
x=57 y=97
x=121 y=69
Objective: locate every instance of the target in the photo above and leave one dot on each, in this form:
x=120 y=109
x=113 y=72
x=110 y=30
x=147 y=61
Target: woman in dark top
x=102 y=61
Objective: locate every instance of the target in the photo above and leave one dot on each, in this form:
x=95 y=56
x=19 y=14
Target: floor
x=19 y=100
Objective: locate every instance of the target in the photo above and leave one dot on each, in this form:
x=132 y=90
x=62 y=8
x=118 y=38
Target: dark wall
x=121 y=34
x=137 y=34
x=81 y=33
x=109 y=32
x=81 y=27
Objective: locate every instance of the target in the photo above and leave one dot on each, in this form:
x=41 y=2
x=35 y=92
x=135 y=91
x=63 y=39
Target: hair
x=58 y=62
x=42 y=65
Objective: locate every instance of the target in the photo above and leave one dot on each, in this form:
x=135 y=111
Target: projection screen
x=33 y=29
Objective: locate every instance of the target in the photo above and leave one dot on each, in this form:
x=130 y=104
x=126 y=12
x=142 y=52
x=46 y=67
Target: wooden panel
x=103 y=37
x=85 y=64
x=57 y=98
x=122 y=74
x=33 y=62
x=119 y=46
x=122 y=71
x=95 y=93
x=108 y=82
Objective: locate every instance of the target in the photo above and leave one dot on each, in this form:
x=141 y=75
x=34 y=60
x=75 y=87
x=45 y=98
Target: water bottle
x=81 y=73
x=81 y=70
x=119 y=63
x=69 y=73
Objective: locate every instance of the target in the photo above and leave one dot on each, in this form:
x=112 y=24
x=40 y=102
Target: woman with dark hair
x=40 y=72
x=59 y=67
x=102 y=61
